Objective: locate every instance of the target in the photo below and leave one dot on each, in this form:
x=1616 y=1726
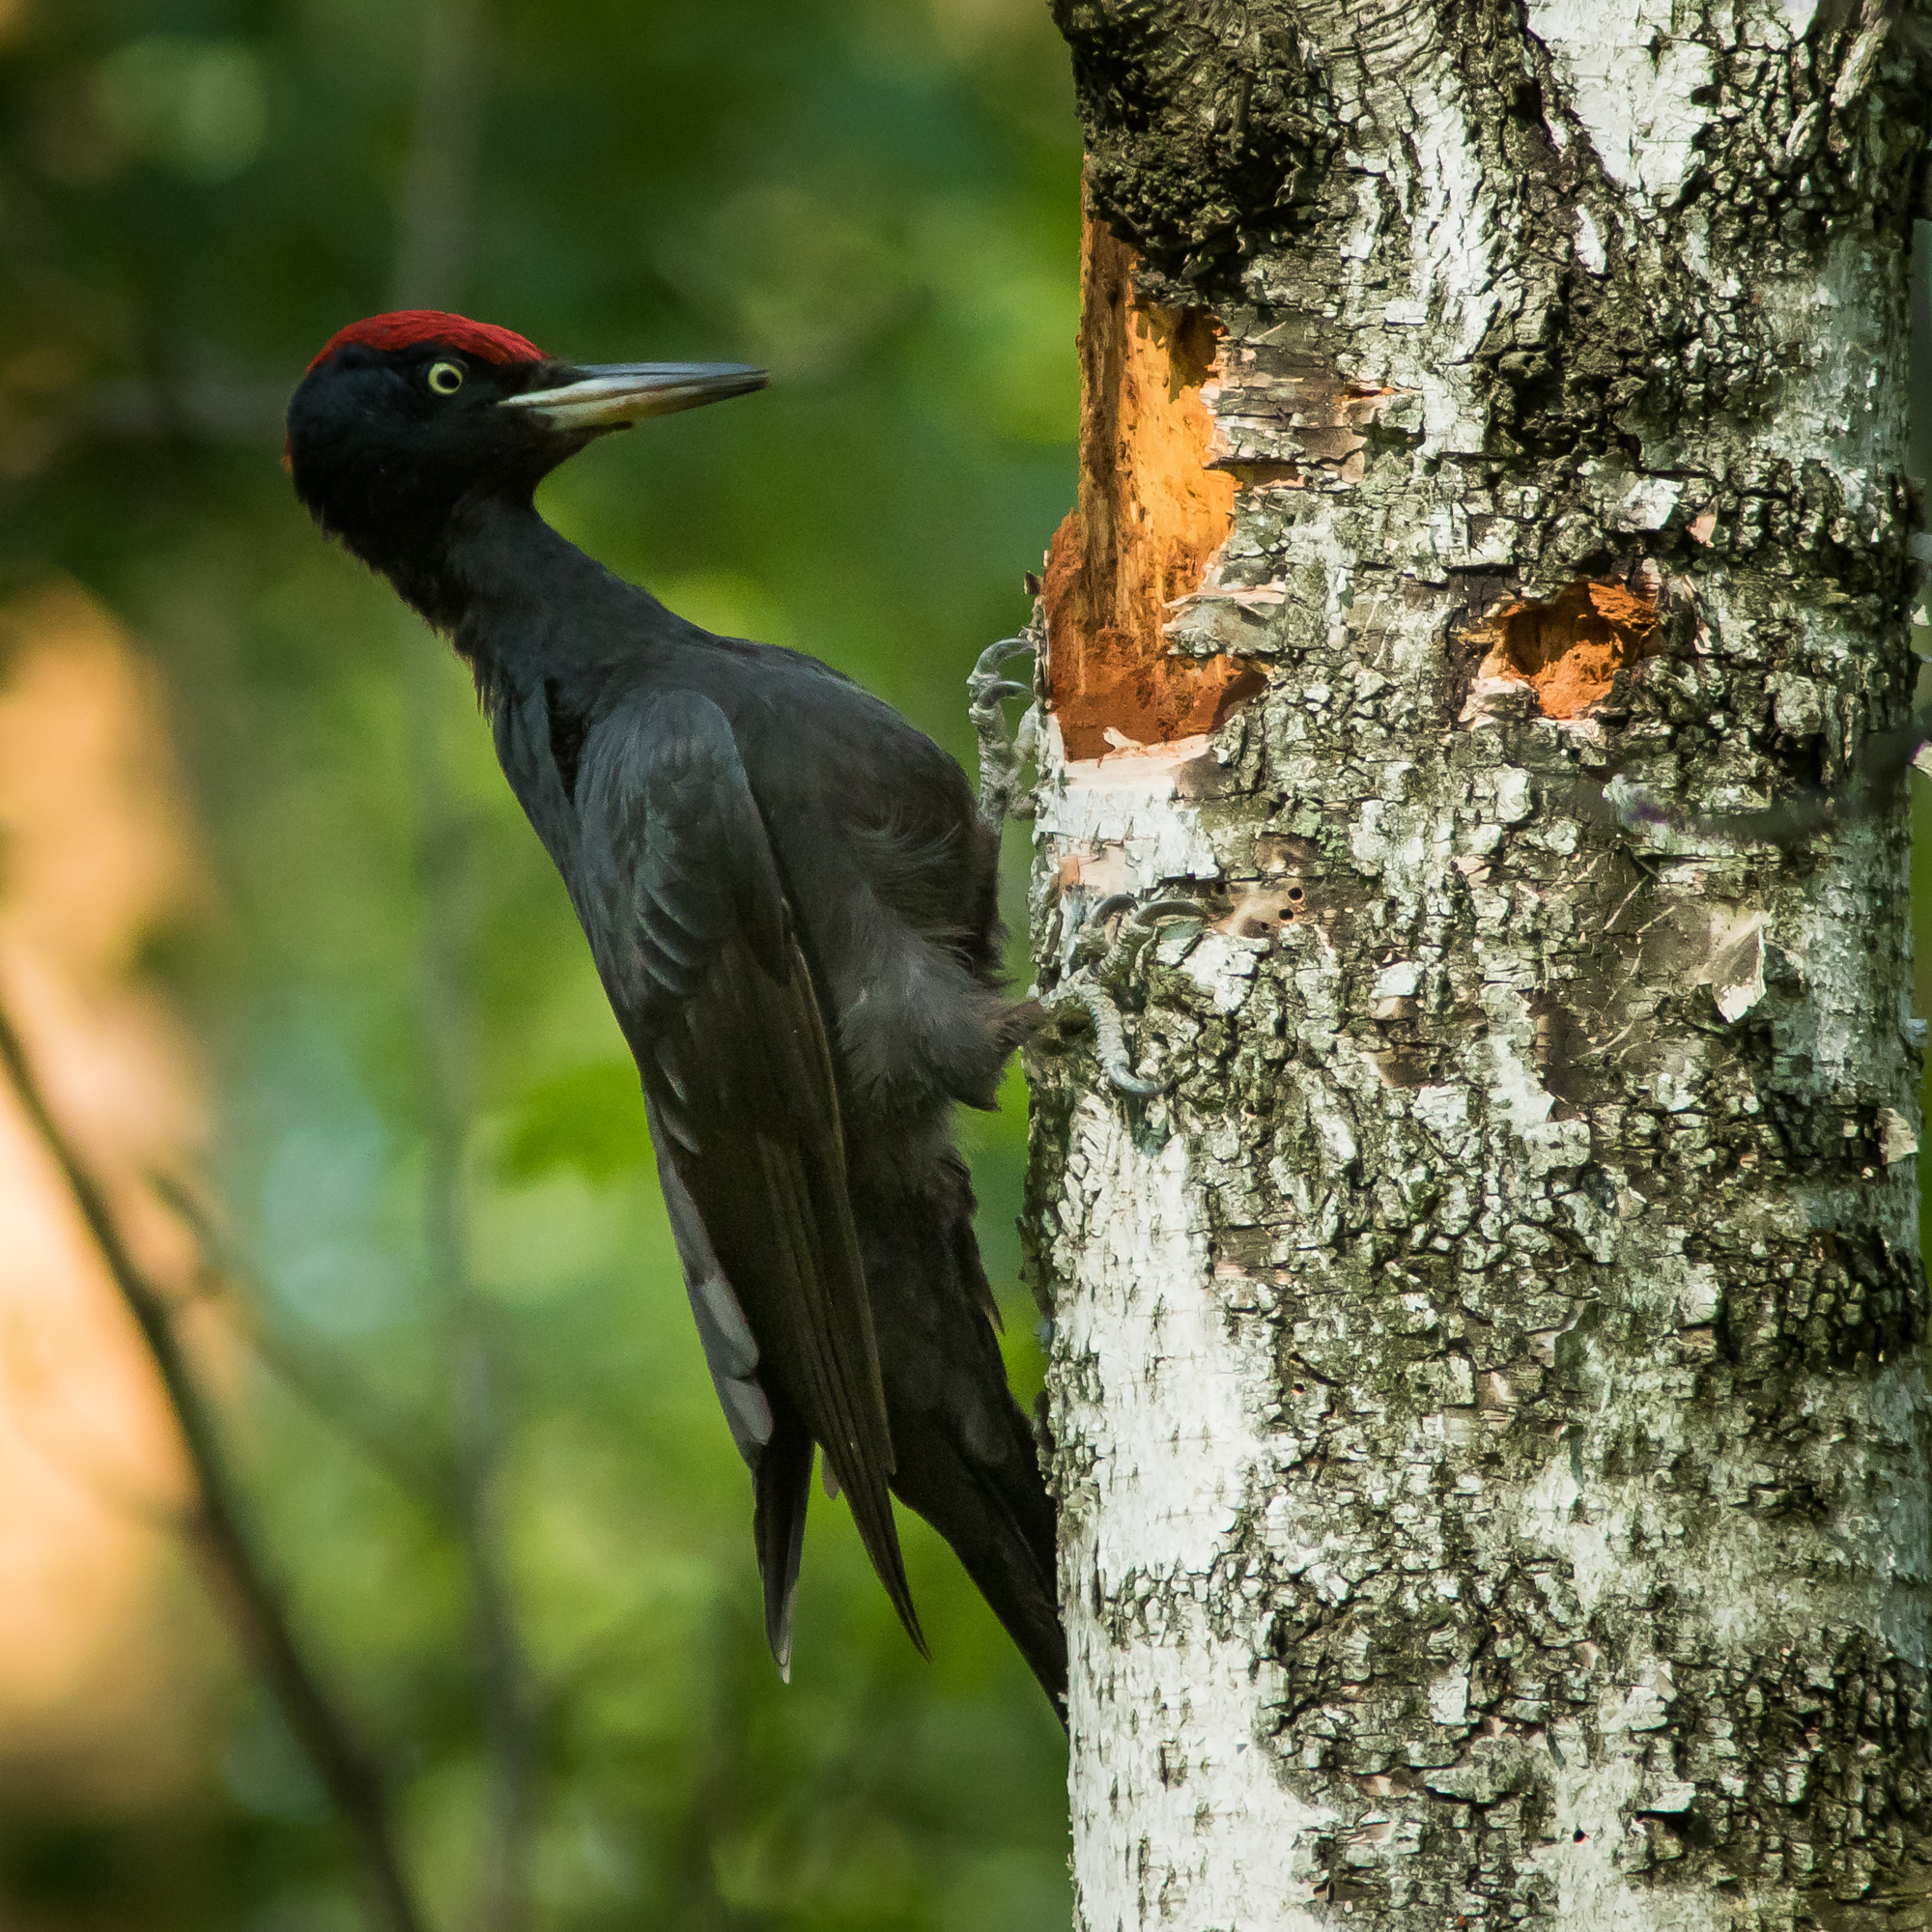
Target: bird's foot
x=1110 y=1040
x=1104 y=961
x=1004 y=753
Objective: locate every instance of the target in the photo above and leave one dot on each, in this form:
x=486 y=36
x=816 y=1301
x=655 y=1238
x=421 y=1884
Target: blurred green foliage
x=878 y=200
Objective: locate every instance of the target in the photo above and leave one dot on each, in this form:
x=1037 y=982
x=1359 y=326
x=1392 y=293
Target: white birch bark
x=1487 y=1382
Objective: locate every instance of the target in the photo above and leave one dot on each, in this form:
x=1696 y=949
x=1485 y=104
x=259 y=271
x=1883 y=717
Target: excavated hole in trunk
x=1149 y=520
x=1570 y=647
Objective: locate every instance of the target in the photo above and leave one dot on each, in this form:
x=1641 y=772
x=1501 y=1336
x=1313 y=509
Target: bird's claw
x=986 y=667
x=1173 y=907
x=1143 y=922
x=1103 y=958
x=1110 y=1040
x=986 y=696
x=1003 y=754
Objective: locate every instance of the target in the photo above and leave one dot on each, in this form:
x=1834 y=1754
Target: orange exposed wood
x=1148 y=517
x=1571 y=645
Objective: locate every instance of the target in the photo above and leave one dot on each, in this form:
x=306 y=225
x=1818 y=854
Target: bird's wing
x=687 y=916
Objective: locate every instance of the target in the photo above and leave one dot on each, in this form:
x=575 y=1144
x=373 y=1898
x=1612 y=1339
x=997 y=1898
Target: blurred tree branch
x=508 y=1705
x=217 y=1528
x=439 y=181
x=432 y=253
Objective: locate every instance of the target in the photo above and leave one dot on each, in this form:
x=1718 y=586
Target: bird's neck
x=495 y=580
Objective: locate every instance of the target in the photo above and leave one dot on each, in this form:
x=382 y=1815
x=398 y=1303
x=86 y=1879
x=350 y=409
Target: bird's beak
x=611 y=395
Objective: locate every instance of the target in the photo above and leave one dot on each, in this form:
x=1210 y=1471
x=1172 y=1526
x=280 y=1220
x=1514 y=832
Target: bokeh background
x=302 y=986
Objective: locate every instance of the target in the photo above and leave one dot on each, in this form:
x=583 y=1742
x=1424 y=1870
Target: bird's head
x=404 y=416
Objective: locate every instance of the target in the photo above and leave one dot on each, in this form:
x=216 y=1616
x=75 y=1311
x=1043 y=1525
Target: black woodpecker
x=792 y=903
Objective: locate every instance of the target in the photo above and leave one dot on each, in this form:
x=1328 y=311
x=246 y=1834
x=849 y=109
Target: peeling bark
x=1487 y=1390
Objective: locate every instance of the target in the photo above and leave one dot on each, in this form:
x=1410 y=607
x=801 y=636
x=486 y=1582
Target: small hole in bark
x=1297 y=1389
x=1296 y=895
x=1576 y=1837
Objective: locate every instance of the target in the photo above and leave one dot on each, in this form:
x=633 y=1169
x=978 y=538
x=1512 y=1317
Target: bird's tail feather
x=963 y=1452
x=872 y=1506
x=782 y=1486
x=1001 y=1525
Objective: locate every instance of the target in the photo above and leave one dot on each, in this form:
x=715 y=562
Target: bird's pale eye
x=445 y=378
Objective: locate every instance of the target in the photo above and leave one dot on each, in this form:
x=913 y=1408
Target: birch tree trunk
x=1487 y=1381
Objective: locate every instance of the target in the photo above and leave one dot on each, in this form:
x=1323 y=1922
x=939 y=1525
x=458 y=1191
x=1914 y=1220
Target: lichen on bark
x=1487 y=1394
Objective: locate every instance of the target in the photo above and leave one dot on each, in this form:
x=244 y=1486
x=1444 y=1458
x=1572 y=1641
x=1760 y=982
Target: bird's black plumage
x=792 y=903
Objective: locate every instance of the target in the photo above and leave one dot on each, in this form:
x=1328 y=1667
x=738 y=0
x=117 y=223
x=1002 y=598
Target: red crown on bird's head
x=406 y=327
